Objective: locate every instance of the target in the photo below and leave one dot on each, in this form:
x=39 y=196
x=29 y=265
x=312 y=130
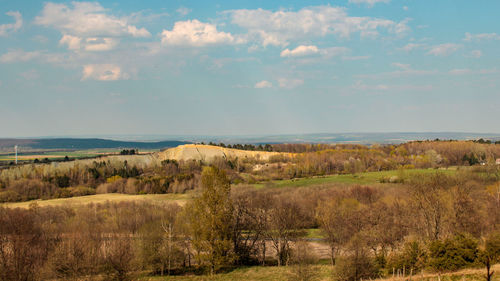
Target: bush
x=453 y=253
x=355 y=267
x=82 y=191
x=412 y=256
x=9 y=196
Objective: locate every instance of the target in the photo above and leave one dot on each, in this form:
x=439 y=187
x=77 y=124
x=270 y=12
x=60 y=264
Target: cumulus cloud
x=86 y=19
x=88 y=44
x=263 y=84
x=87 y=26
x=289 y=83
x=309 y=50
x=443 y=49
x=19 y=56
x=197 y=34
x=481 y=36
x=11 y=27
x=281 y=27
x=300 y=51
x=369 y=3
x=103 y=72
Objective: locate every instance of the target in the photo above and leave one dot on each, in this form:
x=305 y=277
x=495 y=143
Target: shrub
x=453 y=253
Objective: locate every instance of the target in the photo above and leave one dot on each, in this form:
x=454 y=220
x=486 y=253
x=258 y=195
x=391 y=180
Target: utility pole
x=15 y=148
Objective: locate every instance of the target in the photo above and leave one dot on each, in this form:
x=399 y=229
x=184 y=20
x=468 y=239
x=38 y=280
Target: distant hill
x=208 y=152
x=360 y=138
x=81 y=144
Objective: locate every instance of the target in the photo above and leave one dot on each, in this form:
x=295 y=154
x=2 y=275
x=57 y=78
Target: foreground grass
x=360 y=178
x=102 y=198
x=257 y=273
x=322 y=272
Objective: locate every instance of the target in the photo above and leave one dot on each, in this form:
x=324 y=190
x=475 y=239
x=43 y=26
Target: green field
x=360 y=178
x=102 y=198
x=57 y=155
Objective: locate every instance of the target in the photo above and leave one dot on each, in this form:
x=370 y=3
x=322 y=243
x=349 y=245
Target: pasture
x=359 y=178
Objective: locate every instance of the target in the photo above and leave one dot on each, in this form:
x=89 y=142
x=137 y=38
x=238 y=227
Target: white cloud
x=263 y=84
x=73 y=42
x=369 y=3
x=481 y=36
x=183 y=11
x=476 y=54
x=103 y=72
x=281 y=27
x=289 y=83
x=196 y=33
x=465 y=71
x=412 y=46
x=30 y=74
x=401 y=65
x=443 y=49
x=353 y=58
x=359 y=85
x=87 y=26
x=86 y=19
x=461 y=71
x=76 y=43
x=300 y=51
x=11 y=27
x=19 y=56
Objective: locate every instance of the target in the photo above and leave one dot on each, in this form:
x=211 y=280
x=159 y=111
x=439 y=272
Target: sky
x=181 y=67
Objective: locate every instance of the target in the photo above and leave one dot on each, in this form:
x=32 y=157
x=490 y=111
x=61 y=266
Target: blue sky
x=248 y=67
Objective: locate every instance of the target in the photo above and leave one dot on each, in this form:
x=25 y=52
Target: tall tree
x=210 y=218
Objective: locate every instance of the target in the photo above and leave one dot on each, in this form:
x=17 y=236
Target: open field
x=57 y=155
x=360 y=178
x=102 y=198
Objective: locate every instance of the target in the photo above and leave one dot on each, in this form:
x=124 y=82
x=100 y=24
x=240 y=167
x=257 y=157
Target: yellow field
x=102 y=198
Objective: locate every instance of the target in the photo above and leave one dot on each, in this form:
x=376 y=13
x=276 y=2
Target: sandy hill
x=208 y=152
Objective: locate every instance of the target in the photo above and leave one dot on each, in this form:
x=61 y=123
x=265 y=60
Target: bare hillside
x=208 y=152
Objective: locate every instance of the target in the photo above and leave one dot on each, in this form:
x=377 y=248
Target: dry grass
x=102 y=198
x=324 y=272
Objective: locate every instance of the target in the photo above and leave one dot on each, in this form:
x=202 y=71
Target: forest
x=439 y=215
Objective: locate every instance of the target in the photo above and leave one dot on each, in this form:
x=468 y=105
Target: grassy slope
x=360 y=178
x=101 y=198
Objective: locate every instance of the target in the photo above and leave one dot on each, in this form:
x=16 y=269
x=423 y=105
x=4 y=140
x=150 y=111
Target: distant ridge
x=86 y=143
